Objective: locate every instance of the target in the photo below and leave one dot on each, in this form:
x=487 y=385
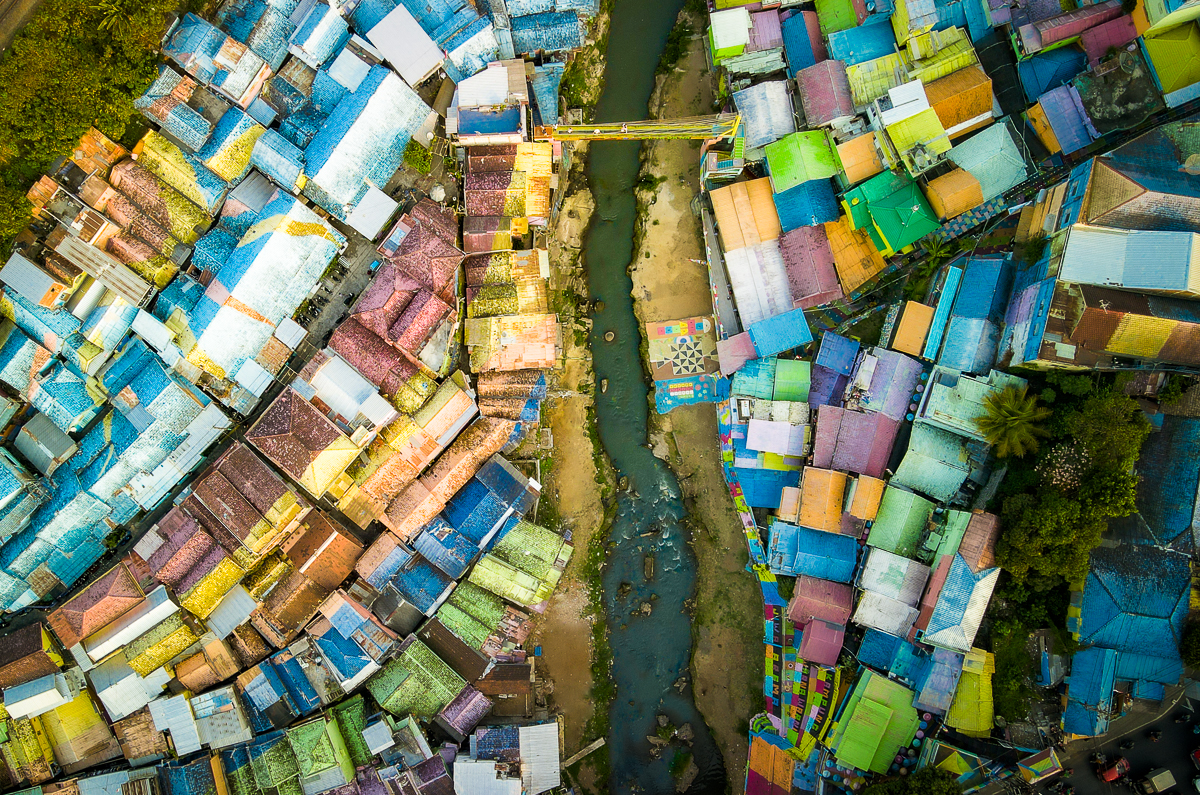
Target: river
x=651 y=653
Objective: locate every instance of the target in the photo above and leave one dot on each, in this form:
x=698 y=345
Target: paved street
x=1171 y=752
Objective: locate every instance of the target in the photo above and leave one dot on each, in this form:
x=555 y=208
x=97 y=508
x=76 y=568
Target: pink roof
x=932 y=591
x=825 y=92
x=1097 y=41
x=765 y=32
x=822 y=643
x=365 y=351
x=732 y=353
x=853 y=441
x=1073 y=23
x=385 y=298
x=814 y=598
x=813 y=24
x=810 y=268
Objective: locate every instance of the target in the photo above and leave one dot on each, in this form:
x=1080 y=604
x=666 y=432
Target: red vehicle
x=1196 y=758
x=1118 y=768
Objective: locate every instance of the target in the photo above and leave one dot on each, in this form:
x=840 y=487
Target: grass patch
x=417 y=157
x=868 y=329
x=679 y=762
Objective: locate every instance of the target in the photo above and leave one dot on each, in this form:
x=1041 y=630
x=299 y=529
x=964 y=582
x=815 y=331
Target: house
x=217 y=60
x=891 y=209
x=901 y=521
x=973 y=329
x=321 y=754
x=416 y=681
x=822 y=608
x=1175 y=57
x=955 y=402
x=799 y=550
x=960 y=607
x=853 y=441
x=100 y=603
x=808 y=260
x=992 y=157
x=28 y=654
x=509 y=686
x=303 y=443
x=524 y=566
x=1129 y=623
x=875 y=721
x=938 y=463
x=953 y=194
x=800 y=157
x=323 y=550
x=483 y=621
x=352 y=642
x=962 y=100
x=892 y=587
x=825 y=93
x=822 y=493
x=766 y=110
x=911 y=132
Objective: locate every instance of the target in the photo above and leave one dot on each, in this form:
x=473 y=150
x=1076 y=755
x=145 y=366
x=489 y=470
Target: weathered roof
x=813 y=598
x=1135 y=602
x=953 y=194
x=960 y=99
x=936 y=463
x=825 y=93
x=992 y=157
x=745 y=213
x=301 y=441
x=901 y=521
x=766 y=110
x=97 y=605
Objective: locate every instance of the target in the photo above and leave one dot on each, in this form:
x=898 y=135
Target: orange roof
x=745 y=213
x=913 y=328
x=774 y=764
x=860 y=158
x=952 y=194
x=855 y=257
x=1041 y=126
x=959 y=97
x=821 y=495
x=867 y=494
x=789 y=505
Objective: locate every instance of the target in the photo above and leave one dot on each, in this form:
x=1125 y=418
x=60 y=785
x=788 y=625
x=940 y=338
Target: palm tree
x=114 y=18
x=1010 y=421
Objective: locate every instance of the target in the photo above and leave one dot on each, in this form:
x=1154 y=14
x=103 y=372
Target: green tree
x=926 y=781
x=14 y=212
x=1189 y=646
x=1011 y=421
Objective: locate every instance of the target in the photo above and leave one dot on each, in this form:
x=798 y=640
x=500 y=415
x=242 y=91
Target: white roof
x=539 y=758
x=489 y=87
x=772 y=436
x=27 y=279
x=893 y=576
x=730 y=28
x=378 y=737
x=235 y=607
x=157 y=607
x=175 y=715
x=340 y=387
x=478 y=777
x=37 y=697
x=120 y=689
x=348 y=69
x=884 y=614
x=290 y=333
x=406 y=45
x=1139 y=259
x=907 y=100
x=152 y=330
x=373 y=209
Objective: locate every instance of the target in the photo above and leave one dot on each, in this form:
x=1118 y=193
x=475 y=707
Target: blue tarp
x=1048 y=70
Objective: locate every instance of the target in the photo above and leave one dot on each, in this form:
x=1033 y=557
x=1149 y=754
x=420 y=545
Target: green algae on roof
x=351 y=717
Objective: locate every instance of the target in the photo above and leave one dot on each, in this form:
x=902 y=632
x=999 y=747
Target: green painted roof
x=899 y=210
x=900 y=522
x=798 y=158
x=792 y=380
x=951 y=535
x=936 y=463
x=416 y=682
x=1176 y=56
x=877 y=721
x=312 y=747
x=835 y=15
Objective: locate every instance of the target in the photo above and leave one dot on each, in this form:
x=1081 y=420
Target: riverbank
x=671 y=281
x=578 y=479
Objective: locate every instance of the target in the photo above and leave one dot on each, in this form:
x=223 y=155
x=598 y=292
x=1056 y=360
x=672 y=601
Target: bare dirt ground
x=671 y=281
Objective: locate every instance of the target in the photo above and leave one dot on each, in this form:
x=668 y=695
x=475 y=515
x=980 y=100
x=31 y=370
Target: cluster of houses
x=271 y=524
x=872 y=135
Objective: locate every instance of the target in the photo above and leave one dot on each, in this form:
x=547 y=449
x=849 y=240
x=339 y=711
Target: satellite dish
x=1127 y=61
x=1192 y=164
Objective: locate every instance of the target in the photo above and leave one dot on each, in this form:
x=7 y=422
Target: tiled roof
x=99 y=604
x=23 y=658
x=301 y=441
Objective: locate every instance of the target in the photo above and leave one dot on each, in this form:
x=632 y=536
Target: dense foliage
x=1013 y=422
x=1054 y=506
x=926 y=781
x=76 y=64
x=1189 y=644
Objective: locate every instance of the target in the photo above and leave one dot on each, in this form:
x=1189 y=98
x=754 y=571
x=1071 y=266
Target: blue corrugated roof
x=551 y=32
x=935 y=690
x=1048 y=70
x=978 y=22
x=1133 y=667
x=837 y=353
x=1089 y=691
x=446 y=548
x=984 y=289
x=763 y=488
x=1135 y=602
x=1170 y=478
x=878 y=648
x=970 y=345
x=802 y=550
x=874 y=38
x=941 y=315
x=780 y=333
x=807 y=204
x=797 y=46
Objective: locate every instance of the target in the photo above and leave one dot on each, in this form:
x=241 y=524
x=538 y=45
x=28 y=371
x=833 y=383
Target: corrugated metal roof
x=992 y=157
x=961 y=606
x=766 y=110
x=952 y=194
x=798 y=158
x=901 y=521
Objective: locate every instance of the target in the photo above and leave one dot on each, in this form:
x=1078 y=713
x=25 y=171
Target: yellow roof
x=860 y=158
x=745 y=213
x=913 y=328
x=871 y=80
x=952 y=194
x=924 y=129
x=1041 y=126
x=855 y=257
x=205 y=595
x=1141 y=335
x=954 y=52
x=328 y=465
x=868 y=493
x=822 y=492
x=972 y=711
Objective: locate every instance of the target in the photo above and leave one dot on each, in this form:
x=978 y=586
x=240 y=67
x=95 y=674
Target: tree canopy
x=75 y=65
x=926 y=781
x=1013 y=421
x=1055 y=507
